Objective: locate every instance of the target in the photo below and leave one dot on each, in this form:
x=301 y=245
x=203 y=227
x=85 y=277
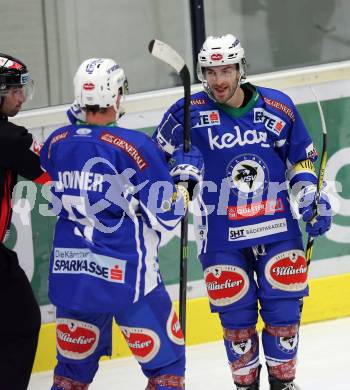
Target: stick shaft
x=168 y=55
x=321 y=173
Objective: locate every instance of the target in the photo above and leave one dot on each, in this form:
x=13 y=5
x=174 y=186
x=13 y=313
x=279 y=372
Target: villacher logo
x=287 y=271
x=76 y=339
x=144 y=343
x=174 y=329
x=225 y=284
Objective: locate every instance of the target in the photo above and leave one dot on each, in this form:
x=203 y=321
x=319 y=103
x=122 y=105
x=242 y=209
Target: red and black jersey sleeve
x=15 y=153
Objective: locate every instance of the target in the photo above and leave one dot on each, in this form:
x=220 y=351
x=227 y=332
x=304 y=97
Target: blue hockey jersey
x=247 y=152
x=113 y=196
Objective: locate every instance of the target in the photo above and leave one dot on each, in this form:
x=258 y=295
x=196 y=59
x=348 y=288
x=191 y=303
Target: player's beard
x=227 y=94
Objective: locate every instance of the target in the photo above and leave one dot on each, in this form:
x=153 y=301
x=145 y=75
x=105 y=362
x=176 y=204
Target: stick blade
x=165 y=53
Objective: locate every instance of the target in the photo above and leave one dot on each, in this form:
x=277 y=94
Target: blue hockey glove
x=318 y=216
x=187 y=167
x=76 y=114
x=170 y=131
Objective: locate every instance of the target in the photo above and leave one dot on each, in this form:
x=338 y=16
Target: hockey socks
x=280 y=347
x=242 y=350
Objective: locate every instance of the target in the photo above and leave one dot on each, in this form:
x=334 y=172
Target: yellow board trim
x=329 y=299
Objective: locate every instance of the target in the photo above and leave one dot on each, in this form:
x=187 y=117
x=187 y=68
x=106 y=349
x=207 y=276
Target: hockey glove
x=170 y=131
x=318 y=216
x=76 y=114
x=187 y=168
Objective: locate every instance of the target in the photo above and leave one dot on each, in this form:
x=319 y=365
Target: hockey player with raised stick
x=20 y=323
x=249 y=242
x=114 y=196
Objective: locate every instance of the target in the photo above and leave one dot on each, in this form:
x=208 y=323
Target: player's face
x=13 y=101
x=222 y=81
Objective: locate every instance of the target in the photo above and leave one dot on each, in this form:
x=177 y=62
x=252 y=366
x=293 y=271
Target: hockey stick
x=321 y=173
x=165 y=53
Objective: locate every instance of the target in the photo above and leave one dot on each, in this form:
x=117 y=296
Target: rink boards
x=330 y=271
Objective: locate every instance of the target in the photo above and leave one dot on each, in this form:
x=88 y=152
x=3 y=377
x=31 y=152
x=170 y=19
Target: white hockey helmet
x=99 y=81
x=222 y=50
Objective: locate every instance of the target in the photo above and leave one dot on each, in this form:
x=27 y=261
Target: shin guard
x=280 y=347
x=242 y=350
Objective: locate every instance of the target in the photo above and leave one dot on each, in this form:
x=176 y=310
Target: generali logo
x=126 y=147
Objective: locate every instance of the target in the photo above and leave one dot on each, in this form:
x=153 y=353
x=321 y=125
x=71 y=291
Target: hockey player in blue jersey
x=114 y=195
x=249 y=241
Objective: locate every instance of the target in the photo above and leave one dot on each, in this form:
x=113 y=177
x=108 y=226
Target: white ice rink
x=324 y=364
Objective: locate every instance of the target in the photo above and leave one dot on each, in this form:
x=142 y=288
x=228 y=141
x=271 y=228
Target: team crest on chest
x=248 y=175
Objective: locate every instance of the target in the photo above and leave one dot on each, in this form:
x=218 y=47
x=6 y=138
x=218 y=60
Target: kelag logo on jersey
x=208 y=118
x=272 y=122
x=236 y=137
x=83 y=261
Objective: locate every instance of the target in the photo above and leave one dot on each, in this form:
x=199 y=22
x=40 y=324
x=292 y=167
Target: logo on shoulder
x=126 y=147
x=272 y=122
x=198 y=102
x=59 y=137
x=281 y=107
x=208 y=118
x=311 y=152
